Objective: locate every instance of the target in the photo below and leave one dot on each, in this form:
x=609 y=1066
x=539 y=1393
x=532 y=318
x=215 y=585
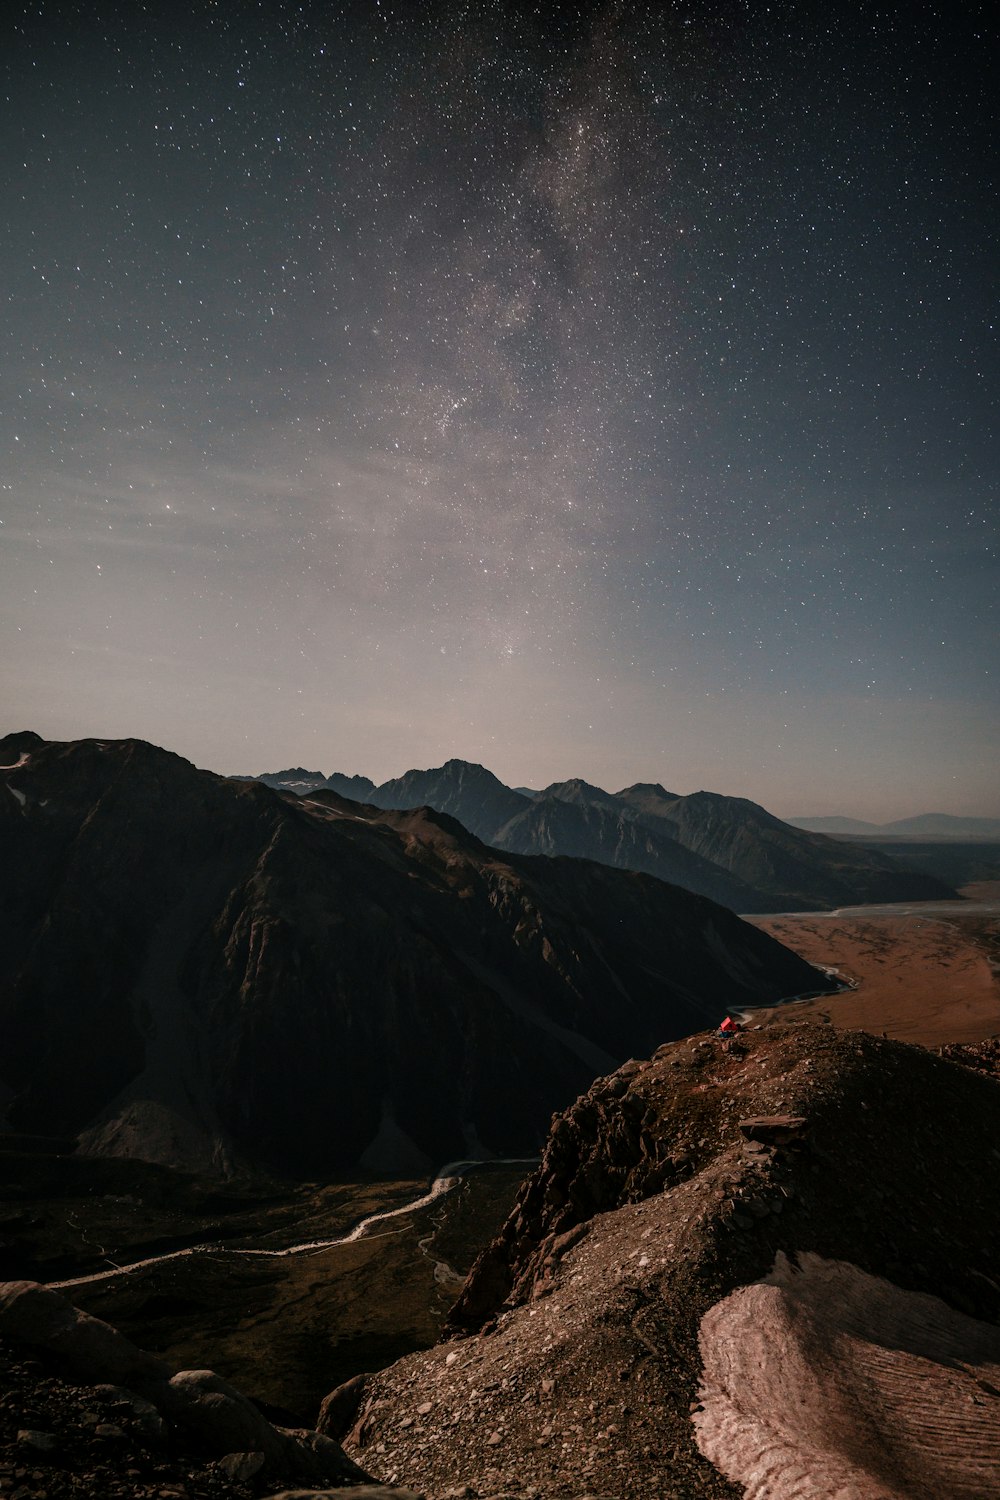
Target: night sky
x=582 y=390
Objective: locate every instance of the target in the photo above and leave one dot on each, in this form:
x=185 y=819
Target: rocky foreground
x=839 y=1187
x=87 y=1413
x=766 y=1272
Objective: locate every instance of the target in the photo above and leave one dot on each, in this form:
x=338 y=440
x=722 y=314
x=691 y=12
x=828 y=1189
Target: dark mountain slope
x=957 y=862
x=194 y=964
x=610 y=835
x=794 y=870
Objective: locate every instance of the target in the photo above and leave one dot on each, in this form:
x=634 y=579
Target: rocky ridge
x=667 y=1187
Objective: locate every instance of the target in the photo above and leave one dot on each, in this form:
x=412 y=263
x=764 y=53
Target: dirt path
x=447 y=1179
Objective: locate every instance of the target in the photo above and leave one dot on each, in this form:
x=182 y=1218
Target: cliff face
x=605 y=832
x=191 y=964
x=838 y=1179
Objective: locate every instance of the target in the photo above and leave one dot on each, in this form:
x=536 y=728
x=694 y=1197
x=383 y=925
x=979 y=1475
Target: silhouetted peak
x=576 y=790
x=452 y=770
x=715 y=802
x=648 y=789
x=294 y=773
x=13 y=746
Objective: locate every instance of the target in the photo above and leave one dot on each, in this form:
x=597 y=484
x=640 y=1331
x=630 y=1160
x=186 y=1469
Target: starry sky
x=594 y=390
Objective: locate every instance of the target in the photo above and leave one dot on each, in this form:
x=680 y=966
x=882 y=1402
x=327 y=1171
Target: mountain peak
x=648 y=789
x=461 y=788
x=577 y=790
x=472 y=768
x=14 y=746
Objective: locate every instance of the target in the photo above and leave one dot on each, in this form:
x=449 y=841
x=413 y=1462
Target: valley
x=217 y=1285
x=288 y=1329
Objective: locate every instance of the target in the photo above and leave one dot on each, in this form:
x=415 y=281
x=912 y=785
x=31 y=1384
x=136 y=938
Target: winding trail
x=447 y=1178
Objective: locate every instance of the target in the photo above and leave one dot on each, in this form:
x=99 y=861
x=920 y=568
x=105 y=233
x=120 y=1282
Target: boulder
x=340 y=1408
x=774 y=1130
x=88 y=1348
x=204 y=1409
x=241 y=1467
x=217 y=1417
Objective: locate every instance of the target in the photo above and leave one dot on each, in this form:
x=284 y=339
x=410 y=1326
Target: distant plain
x=927 y=973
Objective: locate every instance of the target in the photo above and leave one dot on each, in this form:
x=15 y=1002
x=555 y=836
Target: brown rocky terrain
x=584 y=1339
x=211 y=973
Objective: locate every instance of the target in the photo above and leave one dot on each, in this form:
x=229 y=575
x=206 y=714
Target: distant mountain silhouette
x=470 y=793
x=301 y=782
x=193 y=967
x=726 y=848
x=296 y=779
x=931 y=825
x=581 y=793
x=834 y=825
x=926 y=825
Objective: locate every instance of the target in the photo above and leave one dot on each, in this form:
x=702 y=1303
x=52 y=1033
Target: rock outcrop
x=663 y=1191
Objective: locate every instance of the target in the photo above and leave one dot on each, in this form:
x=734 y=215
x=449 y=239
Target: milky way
x=598 y=391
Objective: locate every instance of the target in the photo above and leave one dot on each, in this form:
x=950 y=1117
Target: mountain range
x=207 y=971
x=726 y=848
